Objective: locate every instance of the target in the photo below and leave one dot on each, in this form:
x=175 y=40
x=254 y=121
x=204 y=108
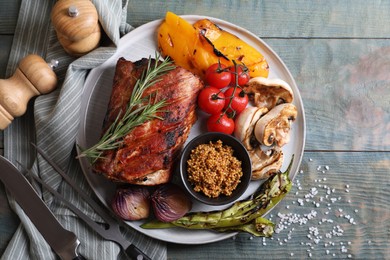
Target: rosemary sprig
x=139 y=110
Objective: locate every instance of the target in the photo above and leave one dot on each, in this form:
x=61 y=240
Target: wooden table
x=338 y=53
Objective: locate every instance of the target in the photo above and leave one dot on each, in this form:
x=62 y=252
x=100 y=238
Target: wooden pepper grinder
x=33 y=77
x=77 y=25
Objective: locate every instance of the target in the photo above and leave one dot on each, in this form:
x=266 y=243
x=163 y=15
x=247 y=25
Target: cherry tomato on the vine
x=211 y=100
x=218 y=75
x=239 y=100
x=242 y=73
x=220 y=123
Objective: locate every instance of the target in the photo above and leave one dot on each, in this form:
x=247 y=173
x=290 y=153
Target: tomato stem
x=215 y=96
x=220 y=69
x=229 y=111
x=232 y=113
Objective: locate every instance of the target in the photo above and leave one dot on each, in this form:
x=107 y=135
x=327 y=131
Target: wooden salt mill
x=33 y=77
x=77 y=25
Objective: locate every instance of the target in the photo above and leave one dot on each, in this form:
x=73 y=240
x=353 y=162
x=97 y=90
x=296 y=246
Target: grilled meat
x=148 y=152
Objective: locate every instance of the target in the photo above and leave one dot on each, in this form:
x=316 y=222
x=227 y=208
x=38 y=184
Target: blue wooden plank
x=344 y=86
x=280 y=19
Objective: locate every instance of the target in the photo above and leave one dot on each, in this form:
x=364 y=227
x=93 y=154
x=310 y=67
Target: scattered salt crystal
x=287 y=221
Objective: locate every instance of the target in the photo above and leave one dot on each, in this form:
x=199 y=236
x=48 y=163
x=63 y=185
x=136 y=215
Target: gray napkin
x=52 y=121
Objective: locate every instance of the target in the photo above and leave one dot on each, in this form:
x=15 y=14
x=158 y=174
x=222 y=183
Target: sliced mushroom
x=274 y=127
x=265 y=163
x=245 y=123
x=265 y=92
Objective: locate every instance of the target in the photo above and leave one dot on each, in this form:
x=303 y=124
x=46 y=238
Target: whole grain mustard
x=213 y=169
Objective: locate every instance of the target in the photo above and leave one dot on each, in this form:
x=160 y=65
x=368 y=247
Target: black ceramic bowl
x=239 y=152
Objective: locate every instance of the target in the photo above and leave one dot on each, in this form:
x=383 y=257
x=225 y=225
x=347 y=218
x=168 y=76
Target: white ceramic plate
x=141 y=43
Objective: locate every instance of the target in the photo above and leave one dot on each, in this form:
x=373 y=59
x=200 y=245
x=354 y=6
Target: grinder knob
x=33 y=77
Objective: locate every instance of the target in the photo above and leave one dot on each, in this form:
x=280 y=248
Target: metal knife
x=62 y=241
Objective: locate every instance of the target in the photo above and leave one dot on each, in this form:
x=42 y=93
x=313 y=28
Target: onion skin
x=132 y=203
x=170 y=202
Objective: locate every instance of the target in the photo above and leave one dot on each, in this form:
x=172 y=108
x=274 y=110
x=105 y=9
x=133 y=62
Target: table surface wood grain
x=339 y=53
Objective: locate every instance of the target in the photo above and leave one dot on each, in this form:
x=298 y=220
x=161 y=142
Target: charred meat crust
x=151 y=148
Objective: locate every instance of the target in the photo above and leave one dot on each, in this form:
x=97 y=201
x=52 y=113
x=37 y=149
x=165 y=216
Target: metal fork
x=112 y=232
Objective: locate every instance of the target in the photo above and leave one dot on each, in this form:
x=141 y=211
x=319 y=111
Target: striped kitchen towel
x=52 y=122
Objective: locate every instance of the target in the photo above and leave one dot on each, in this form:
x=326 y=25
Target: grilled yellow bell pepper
x=196 y=47
x=233 y=48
